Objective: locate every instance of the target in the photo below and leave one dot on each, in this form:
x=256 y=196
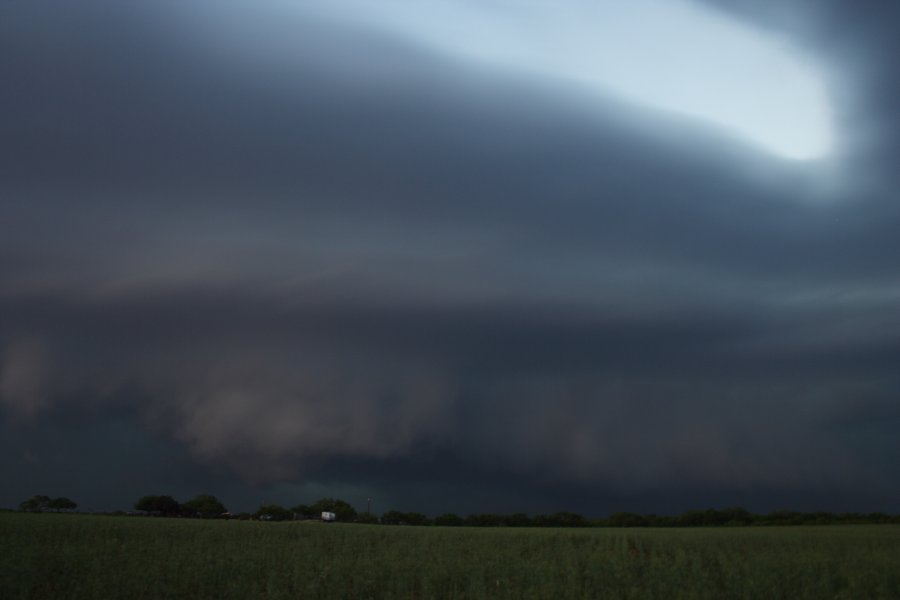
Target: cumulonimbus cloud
x=375 y=252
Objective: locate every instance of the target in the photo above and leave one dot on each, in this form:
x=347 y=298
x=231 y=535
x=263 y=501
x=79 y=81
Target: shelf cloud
x=462 y=256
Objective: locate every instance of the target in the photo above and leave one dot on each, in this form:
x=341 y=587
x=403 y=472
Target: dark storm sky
x=283 y=249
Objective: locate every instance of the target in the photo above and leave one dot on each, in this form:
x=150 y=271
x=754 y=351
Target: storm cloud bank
x=303 y=248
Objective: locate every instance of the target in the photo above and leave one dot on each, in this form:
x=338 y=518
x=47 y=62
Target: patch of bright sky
x=674 y=55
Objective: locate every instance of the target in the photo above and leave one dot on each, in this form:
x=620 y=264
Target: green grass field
x=74 y=556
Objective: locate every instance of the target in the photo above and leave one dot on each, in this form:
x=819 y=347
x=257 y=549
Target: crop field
x=75 y=556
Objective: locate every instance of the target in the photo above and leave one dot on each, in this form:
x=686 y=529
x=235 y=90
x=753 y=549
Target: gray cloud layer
x=361 y=256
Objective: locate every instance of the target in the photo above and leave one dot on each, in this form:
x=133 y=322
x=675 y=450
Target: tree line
x=208 y=506
x=45 y=503
x=344 y=512
x=742 y=517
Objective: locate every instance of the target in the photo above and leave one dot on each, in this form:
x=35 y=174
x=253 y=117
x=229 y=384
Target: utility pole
x=369 y=505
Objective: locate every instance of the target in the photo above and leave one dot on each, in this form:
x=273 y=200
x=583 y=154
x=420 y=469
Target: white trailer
x=328 y=517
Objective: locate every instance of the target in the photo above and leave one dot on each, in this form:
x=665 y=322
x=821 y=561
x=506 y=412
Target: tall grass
x=73 y=556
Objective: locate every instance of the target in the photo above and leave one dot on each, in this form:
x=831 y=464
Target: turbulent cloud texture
x=295 y=249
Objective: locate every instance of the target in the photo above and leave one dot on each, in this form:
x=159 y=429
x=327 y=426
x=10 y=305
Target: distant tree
x=35 y=504
x=28 y=505
x=59 y=504
x=560 y=519
x=734 y=515
x=653 y=520
x=485 y=520
x=393 y=517
x=449 y=520
x=692 y=518
x=518 y=520
x=158 y=505
x=845 y=518
x=787 y=517
x=416 y=518
x=570 y=519
x=342 y=510
x=626 y=519
x=366 y=517
x=878 y=517
x=272 y=512
x=303 y=511
x=205 y=506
